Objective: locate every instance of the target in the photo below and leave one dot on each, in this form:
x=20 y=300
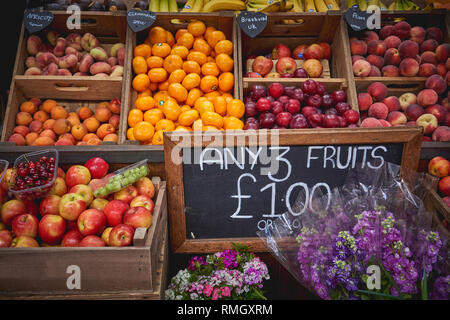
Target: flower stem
x=259 y=294
x=379 y=294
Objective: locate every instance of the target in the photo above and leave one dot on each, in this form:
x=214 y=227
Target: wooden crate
x=105 y=271
x=223 y=21
x=439 y=210
x=316 y=27
x=387 y=3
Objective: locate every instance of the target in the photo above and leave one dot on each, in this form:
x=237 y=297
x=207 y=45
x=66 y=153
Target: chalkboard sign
x=222 y=194
x=357 y=19
x=139 y=20
x=252 y=23
x=36 y=20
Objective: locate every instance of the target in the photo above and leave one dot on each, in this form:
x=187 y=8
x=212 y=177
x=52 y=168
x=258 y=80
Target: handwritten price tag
x=139 y=20
x=252 y=23
x=36 y=20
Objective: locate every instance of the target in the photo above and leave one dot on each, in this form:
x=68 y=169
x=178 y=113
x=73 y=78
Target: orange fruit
x=135 y=116
x=154 y=62
x=197 y=125
x=193 y=95
x=161 y=97
x=158 y=137
x=130 y=135
x=224 y=46
x=209 y=84
x=146 y=93
x=191 y=67
x=141 y=82
x=143 y=50
x=187 y=118
x=145 y=103
x=214 y=37
x=208 y=31
x=165 y=125
x=171 y=110
x=185 y=107
x=143 y=131
x=172 y=63
x=161 y=49
x=233 y=123
x=153 y=86
x=211 y=95
x=183 y=128
x=178 y=92
x=203 y=105
x=177 y=76
x=179 y=33
x=236 y=108
x=169 y=38
x=212 y=119
x=224 y=62
x=139 y=65
x=209 y=128
x=191 y=81
x=202 y=46
x=220 y=105
x=153 y=115
x=186 y=40
x=210 y=69
x=157 y=35
x=197 y=56
x=180 y=51
x=196 y=28
x=163 y=86
x=228 y=97
x=226 y=81
x=157 y=75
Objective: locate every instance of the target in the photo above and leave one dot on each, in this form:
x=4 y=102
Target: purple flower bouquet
x=235 y=274
x=374 y=241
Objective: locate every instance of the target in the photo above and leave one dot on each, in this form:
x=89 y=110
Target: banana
x=154 y=5
x=381 y=5
x=173 y=6
x=298 y=6
x=220 y=5
x=332 y=5
x=261 y=2
x=372 y=3
x=198 y=5
x=164 y=6
x=187 y=6
x=362 y=5
x=351 y=3
x=320 y=6
x=309 y=6
x=393 y=6
x=274 y=7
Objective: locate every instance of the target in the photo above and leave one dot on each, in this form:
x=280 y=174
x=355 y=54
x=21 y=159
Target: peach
x=114 y=121
x=428 y=122
x=434 y=33
x=409 y=67
x=28 y=106
x=51 y=70
x=121 y=56
x=112 y=137
x=361 y=68
x=63 y=142
x=427 y=97
x=79 y=131
x=402 y=29
x=443 y=52
x=99 y=54
x=70 y=50
x=101 y=75
x=117 y=71
x=22 y=130
x=392 y=57
x=48 y=105
x=73 y=118
x=102 y=114
x=417 y=34
x=441 y=134
x=385 y=123
x=386 y=31
x=89 y=136
x=30 y=62
x=115 y=48
x=60 y=47
x=36 y=126
x=89 y=42
x=64 y=72
x=447 y=78
x=358 y=47
x=23 y=118
x=33 y=71
x=438 y=111
x=428 y=57
x=18 y=139
x=414 y=111
x=427 y=70
x=408 y=49
x=356 y=58
x=407 y=99
x=368 y=36
x=397 y=118
x=84 y=113
x=112 y=61
x=58 y=112
x=92 y=124
x=86 y=62
x=446 y=103
x=371 y=123
x=390 y=71
x=48 y=133
x=437 y=83
x=40 y=115
x=376 y=60
x=48 y=124
x=67 y=136
x=377 y=47
x=377 y=90
x=104 y=130
x=392 y=42
x=45 y=59
x=378 y=110
x=364 y=101
x=30 y=138
x=61 y=126
x=73 y=40
x=429 y=45
x=44 y=141
x=447 y=64
x=392 y=102
x=441 y=69
x=100 y=67
x=374 y=72
x=34 y=44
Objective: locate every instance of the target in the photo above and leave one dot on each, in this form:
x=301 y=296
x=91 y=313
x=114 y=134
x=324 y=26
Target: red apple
x=72 y=238
x=314 y=51
x=5 y=238
x=286 y=65
x=71 y=206
x=127 y=194
x=439 y=167
x=145 y=187
x=262 y=65
x=138 y=217
x=299 y=51
x=91 y=222
x=97 y=167
x=24 y=242
x=25 y=225
x=114 y=212
x=52 y=228
x=84 y=191
x=121 y=235
x=280 y=51
x=32 y=207
x=143 y=201
x=50 y=205
x=444 y=186
x=98 y=204
x=105 y=235
x=12 y=209
x=253 y=75
x=77 y=175
x=59 y=188
x=92 y=241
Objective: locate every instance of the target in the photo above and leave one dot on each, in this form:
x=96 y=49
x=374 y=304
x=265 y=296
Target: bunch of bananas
x=163 y=6
x=213 y=5
x=395 y=5
x=292 y=5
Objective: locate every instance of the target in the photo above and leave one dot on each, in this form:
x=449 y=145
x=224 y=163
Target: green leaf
x=424 y=285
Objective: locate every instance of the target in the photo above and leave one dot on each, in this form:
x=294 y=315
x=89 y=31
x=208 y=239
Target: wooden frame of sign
x=411 y=138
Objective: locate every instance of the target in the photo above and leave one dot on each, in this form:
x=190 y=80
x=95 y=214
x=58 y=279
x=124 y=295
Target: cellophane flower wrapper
x=371 y=238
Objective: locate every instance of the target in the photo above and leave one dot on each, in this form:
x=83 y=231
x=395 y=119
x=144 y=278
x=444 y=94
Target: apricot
x=58 y=112
x=48 y=105
x=103 y=104
x=43 y=141
x=102 y=114
x=29 y=107
x=94 y=142
x=36 y=126
x=111 y=137
x=48 y=133
x=81 y=143
x=79 y=131
x=114 y=121
x=22 y=130
x=89 y=136
x=48 y=124
x=64 y=142
x=61 y=126
x=84 y=113
x=92 y=124
x=36 y=101
x=73 y=119
x=67 y=136
x=40 y=115
x=30 y=138
x=23 y=118
x=18 y=139
x=104 y=130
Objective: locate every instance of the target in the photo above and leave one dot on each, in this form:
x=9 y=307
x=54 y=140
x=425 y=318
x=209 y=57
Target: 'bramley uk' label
x=36 y=20
x=252 y=23
x=139 y=20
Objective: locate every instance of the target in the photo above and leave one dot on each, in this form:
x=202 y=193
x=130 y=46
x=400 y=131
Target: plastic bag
x=371 y=238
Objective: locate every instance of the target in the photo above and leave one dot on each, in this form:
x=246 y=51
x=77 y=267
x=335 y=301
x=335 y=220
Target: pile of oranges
x=183 y=82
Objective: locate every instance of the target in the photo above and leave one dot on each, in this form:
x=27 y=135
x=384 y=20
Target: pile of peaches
x=47 y=123
x=440 y=167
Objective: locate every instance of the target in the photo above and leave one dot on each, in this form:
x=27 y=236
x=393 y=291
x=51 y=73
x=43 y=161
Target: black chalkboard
x=139 y=20
x=36 y=20
x=357 y=19
x=252 y=23
x=215 y=208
